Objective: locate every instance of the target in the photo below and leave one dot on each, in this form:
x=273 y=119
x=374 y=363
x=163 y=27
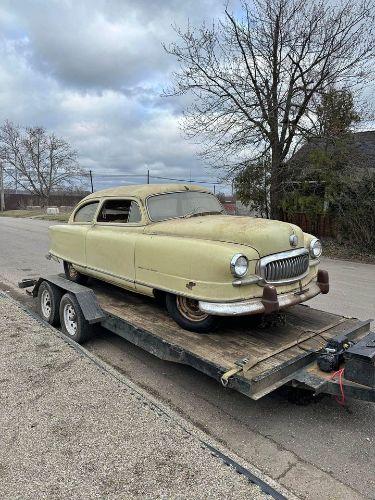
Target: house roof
x=144 y=190
x=362 y=149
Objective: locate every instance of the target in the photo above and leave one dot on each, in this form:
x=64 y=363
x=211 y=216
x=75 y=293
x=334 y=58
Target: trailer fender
x=86 y=298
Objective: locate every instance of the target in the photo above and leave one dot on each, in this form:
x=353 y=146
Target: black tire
x=49 y=297
x=160 y=298
x=73 y=275
x=73 y=322
x=205 y=325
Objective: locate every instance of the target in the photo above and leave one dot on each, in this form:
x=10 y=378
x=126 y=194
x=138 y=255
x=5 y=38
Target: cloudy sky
x=92 y=71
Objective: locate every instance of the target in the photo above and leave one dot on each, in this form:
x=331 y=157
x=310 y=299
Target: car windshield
x=182 y=204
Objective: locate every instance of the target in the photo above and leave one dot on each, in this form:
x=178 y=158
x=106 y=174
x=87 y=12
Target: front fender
x=193 y=267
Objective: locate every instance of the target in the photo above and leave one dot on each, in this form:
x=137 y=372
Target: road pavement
x=319 y=451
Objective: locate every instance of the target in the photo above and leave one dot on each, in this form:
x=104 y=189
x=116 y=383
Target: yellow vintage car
x=176 y=243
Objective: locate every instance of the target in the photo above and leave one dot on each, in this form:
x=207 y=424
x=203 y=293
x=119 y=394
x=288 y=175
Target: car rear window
x=86 y=213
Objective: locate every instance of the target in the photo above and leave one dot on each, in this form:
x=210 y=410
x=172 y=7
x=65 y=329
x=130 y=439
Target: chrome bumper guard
x=270 y=301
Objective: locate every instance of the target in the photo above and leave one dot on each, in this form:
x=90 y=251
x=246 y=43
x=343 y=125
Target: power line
x=148 y=176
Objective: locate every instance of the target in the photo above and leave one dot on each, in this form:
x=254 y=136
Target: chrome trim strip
x=314 y=262
x=255 y=306
x=94 y=269
x=250 y=280
x=109 y=274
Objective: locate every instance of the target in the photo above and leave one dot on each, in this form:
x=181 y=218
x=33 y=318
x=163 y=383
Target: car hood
x=264 y=235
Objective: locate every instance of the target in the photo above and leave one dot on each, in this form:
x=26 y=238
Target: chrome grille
x=285 y=266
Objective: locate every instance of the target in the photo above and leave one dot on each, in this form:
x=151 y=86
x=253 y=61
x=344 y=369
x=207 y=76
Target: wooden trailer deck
x=274 y=352
x=251 y=355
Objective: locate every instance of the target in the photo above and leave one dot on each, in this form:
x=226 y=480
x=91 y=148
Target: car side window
x=86 y=213
x=135 y=212
x=120 y=212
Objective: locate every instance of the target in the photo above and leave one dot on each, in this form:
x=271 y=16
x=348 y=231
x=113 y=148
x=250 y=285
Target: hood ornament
x=293 y=240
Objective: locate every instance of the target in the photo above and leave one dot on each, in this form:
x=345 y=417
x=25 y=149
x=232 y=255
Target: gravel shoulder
x=70 y=430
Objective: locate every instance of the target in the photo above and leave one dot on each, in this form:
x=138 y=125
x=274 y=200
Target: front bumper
x=270 y=301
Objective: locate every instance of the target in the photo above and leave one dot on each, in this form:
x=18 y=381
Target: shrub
x=354 y=208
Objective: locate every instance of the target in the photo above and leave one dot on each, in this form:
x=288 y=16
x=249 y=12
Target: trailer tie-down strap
x=247 y=363
x=240 y=366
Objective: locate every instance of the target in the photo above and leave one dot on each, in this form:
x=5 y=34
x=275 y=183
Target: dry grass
x=336 y=250
x=34 y=214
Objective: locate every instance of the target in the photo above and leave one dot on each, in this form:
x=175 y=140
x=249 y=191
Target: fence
x=321 y=225
x=16 y=201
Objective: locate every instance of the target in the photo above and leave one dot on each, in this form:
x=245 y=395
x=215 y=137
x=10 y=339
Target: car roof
x=144 y=190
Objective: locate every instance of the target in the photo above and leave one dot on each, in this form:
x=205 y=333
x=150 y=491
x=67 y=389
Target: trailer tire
x=73 y=323
x=73 y=275
x=49 y=297
x=188 y=317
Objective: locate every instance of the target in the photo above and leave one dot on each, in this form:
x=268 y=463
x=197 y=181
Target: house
x=359 y=151
x=307 y=203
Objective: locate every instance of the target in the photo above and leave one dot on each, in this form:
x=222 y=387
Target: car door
x=69 y=240
x=110 y=242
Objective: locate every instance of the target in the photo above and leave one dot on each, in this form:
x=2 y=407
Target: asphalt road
x=319 y=451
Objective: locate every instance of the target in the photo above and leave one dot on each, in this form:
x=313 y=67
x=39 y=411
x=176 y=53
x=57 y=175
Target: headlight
x=315 y=248
x=239 y=265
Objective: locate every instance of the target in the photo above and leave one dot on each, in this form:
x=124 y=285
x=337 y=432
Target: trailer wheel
x=187 y=314
x=73 y=275
x=73 y=323
x=49 y=297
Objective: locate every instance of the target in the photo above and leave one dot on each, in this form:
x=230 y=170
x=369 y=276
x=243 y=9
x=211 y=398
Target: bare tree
x=254 y=80
x=40 y=163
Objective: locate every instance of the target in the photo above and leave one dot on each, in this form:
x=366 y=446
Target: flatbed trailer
x=250 y=355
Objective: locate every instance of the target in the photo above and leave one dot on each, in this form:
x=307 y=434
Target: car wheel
x=73 y=323
x=49 y=297
x=187 y=314
x=73 y=275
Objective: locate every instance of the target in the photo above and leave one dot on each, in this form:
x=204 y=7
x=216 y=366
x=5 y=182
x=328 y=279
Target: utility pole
x=16 y=172
x=92 y=185
x=148 y=177
x=2 y=197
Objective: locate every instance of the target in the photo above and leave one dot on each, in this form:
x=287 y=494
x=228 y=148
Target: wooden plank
x=236 y=339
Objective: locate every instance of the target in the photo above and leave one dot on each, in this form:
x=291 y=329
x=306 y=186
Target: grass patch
x=18 y=213
x=63 y=217
x=34 y=214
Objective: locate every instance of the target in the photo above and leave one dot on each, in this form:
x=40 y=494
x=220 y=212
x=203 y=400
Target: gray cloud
x=99 y=44
x=93 y=72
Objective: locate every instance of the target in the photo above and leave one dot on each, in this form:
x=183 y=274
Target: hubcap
x=70 y=319
x=46 y=304
x=189 y=308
